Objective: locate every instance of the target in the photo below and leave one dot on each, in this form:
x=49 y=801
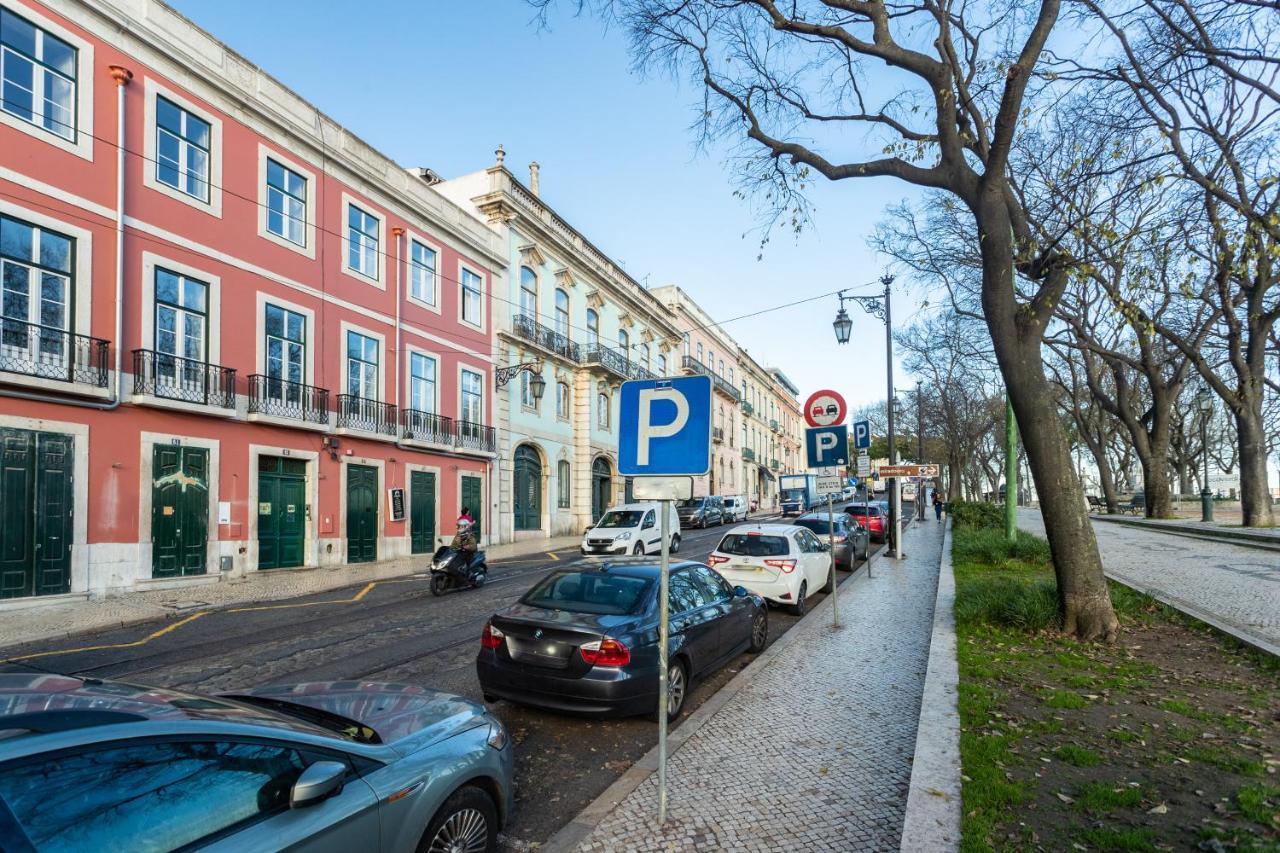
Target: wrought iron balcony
x=529 y=329
x=639 y=371
x=172 y=377
x=717 y=435
x=50 y=353
x=426 y=426
x=609 y=359
x=748 y=454
x=692 y=365
x=748 y=409
x=473 y=436
x=366 y=415
x=279 y=398
x=774 y=425
x=773 y=463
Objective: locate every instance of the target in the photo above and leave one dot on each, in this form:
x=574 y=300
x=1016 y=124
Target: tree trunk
x=953 y=479
x=1255 y=497
x=1084 y=599
x=1184 y=479
x=1109 y=489
x=1155 y=482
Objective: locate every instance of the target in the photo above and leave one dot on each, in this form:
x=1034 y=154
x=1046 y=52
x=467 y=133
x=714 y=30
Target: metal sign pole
x=835 y=580
x=866 y=502
x=664 y=507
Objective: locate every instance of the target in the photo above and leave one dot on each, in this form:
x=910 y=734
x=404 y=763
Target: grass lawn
x=1168 y=739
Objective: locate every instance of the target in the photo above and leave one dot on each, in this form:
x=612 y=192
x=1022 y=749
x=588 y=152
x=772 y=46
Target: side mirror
x=740 y=591
x=318 y=782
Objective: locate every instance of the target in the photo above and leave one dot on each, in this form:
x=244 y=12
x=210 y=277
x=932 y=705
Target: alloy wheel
x=759 y=631
x=466 y=831
x=675 y=689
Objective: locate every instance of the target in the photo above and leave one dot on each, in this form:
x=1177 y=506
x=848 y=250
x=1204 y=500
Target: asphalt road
x=397 y=632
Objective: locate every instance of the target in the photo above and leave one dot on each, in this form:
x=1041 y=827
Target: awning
x=764 y=469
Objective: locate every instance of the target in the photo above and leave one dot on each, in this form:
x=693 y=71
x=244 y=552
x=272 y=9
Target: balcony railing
x=270 y=395
x=610 y=359
x=51 y=353
x=473 y=436
x=172 y=377
x=426 y=426
x=773 y=463
x=545 y=337
x=366 y=415
x=748 y=409
x=639 y=371
x=717 y=435
x=774 y=425
x=748 y=454
x=721 y=384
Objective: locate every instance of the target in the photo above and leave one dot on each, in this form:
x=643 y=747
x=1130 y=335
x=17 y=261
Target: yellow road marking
x=553 y=556
x=165 y=630
x=362 y=593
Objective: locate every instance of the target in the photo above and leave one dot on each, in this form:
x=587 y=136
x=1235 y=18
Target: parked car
x=872 y=516
x=631 y=529
x=735 y=508
x=781 y=563
x=852 y=541
x=586 y=639
x=351 y=765
x=701 y=512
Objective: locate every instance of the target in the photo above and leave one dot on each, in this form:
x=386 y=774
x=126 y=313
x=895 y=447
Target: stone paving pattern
x=1239 y=586
x=815 y=753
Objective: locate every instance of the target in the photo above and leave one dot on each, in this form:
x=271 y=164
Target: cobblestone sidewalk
x=815 y=752
x=1235 y=587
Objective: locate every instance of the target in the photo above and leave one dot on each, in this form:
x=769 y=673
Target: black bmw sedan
x=586 y=638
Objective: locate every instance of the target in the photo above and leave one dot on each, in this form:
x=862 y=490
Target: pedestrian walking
x=937 y=505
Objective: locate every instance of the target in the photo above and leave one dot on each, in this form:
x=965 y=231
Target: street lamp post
x=1204 y=402
x=880 y=307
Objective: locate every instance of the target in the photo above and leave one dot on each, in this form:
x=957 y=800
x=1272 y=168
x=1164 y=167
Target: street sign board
x=665 y=427
x=825 y=408
x=900 y=470
x=662 y=488
x=829 y=484
x=928 y=470
x=827 y=446
x=862 y=434
x=864 y=465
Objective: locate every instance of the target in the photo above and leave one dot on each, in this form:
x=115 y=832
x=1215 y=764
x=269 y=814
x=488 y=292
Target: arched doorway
x=528 y=488
x=601 y=487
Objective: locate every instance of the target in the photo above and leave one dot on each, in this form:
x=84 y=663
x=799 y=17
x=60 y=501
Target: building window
x=471 y=298
x=422 y=273
x=527 y=399
x=528 y=293
x=472 y=403
x=39 y=76
x=721 y=370
x=602 y=410
x=362 y=242
x=286 y=203
x=286 y=351
x=686 y=343
x=700 y=353
x=593 y=329
x=563 y=484
x=182 y=149
x=562 y=313
x=624 y=343
x=662 y=365
x=35 y=268
x=362 y=366
x=730 y=375
x=422 y=383
x=644 y=356
x=182 y=316
x=562 y=401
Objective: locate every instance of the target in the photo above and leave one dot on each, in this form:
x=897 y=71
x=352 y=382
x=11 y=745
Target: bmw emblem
x=537 y=635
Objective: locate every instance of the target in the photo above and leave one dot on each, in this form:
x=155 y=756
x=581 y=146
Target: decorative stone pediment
x=563 y=375
x=666 y=346
x=594 y=299
x=563 y=455
x=531 y=255
x=625 y=320
x=646 y=336
x=565 y=278
x=495 y=209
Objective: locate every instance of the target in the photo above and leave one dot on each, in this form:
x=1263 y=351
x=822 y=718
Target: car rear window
x=817 y=525
x=754 y=545
x=862 y=510
x=588 y=592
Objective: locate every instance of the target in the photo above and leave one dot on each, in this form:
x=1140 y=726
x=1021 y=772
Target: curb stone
x=1239 y=538
x=932 y=820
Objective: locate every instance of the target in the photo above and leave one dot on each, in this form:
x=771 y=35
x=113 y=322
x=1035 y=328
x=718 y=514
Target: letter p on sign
x=664 y=427
x=646 y=429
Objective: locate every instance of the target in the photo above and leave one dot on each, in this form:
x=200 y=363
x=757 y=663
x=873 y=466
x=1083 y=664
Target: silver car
x=333 y=766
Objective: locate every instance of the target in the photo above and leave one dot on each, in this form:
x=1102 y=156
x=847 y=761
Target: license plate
x=741 y=568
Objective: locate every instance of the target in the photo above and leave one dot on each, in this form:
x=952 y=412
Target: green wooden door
x=179 y=510
x=362 y=514
x=473 y=498
x=282 y=490
x=36 y=513
x=601 y=488
x=422 y=512
x=528 y=489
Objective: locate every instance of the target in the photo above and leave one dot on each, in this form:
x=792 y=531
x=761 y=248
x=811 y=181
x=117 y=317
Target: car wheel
x=802 y=599
x=675 y=544
x=467 y=823
x=760 y=630
x=638 y=550
x=831 y=580
x=677 y=688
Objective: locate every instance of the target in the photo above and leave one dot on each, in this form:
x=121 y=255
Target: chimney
x=533 y=177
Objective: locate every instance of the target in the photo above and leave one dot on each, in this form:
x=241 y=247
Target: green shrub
x=989 y=547
x=1029 y=606
x=974 y=515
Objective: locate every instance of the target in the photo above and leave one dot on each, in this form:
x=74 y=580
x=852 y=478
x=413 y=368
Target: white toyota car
x=781 y=563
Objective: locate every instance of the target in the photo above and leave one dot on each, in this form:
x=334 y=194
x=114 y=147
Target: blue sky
x=441 y=84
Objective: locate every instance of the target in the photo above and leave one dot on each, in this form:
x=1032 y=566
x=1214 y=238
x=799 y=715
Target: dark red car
x=871 y=518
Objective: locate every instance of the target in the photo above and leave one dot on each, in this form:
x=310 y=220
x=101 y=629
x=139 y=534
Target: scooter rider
x=464 y=542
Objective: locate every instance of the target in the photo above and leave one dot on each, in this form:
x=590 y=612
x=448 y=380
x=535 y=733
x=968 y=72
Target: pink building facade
x=234 y=337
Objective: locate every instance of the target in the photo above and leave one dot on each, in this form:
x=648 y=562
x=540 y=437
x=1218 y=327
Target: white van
x=632 y=529
x=735 y=508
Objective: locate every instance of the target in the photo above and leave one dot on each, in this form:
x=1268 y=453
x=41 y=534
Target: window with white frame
x=422 y=272
x=286 y=203
x=700 y=354
x=602 y=410
x=38 y=73
x=528 y=294
x=686 y=343
x=644 y=356
x=471 y=298
x=182 y=316
x=593 y=329
x=662 y=365
x=362 y=366
x=422 y=383
x=527 y=400
x=35 y=294
x=363 y=239
x=562 y=401
x=286 y=343
x=563 y=484
x=182 y=149
x=471 y=408
x=624 y=343
x=562 y=313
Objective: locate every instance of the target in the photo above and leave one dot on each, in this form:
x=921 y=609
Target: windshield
x=793 y=494
x=754 y=545
x=690 y=503
x=620 y=518
x=327 y=720
x=588 y=592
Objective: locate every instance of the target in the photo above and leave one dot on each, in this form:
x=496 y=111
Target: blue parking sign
x=862 y=435
x=827 y=446
x=665 y=427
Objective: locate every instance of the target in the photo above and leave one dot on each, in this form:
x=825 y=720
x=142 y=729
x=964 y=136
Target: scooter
x=450 y=569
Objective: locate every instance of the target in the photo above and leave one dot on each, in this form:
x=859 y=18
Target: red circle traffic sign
x=825 y=408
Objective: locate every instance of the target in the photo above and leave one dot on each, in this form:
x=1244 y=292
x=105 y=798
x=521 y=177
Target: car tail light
x=716 y=559
x=787 y=566
x=491 y=637
x=606 y=652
